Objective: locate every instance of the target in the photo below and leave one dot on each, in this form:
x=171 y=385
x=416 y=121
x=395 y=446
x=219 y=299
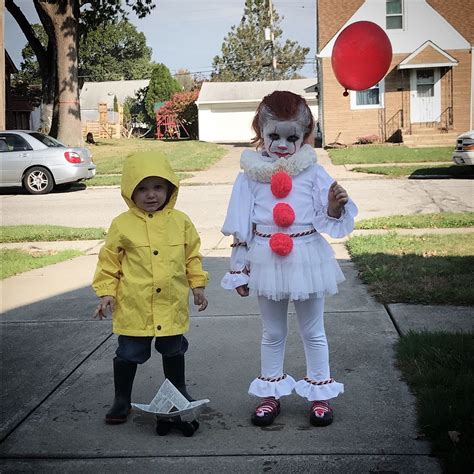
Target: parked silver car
x=39 y=162
x=464 y=152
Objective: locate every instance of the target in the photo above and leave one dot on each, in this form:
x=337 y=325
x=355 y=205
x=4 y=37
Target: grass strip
x=389 y=154
x=440 y=220
x=439 y=368
x=48 y=233
x=418 y=170
x=187 y=155
x=427 y=269
x=18 y=261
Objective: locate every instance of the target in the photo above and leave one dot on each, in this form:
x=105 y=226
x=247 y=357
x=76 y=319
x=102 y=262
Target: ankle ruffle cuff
x=272 y=386
x=318 y=390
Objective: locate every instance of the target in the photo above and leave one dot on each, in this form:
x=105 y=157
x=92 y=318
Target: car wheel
x=38 y=180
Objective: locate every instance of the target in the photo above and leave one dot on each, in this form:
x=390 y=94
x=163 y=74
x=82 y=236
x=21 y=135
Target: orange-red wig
x=282 y=106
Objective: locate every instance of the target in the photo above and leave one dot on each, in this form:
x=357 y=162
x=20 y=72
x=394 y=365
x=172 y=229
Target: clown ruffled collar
x=261 y=168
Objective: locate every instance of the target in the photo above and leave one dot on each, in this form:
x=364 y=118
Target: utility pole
x=272 y=39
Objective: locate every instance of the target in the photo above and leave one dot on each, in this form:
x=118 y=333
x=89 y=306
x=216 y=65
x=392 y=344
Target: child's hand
x=337 y=198
x=101 y=310
x=200 y=298
x=243 y=290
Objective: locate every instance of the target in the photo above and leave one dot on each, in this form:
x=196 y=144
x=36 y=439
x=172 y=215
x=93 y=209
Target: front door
x=425 y=95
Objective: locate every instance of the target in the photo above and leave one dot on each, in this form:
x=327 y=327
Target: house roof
x=428 y=55
x=331 y=16
x=457 y=13
x=94 y=92
x=225 y=92
x=9 y=64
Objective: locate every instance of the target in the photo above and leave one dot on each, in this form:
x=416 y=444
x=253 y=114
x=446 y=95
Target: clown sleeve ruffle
x=239 y=211
x=335 y=227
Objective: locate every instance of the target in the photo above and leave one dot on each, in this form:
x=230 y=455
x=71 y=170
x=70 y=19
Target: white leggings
x=310 y=315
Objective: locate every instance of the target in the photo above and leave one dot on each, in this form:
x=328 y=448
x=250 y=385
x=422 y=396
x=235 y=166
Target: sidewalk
x=58 y=383
x=57 y=379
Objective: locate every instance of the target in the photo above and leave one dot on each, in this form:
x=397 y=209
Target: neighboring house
x=226 y=109
x=17 y=109
x=93 y=93
x=427 y=94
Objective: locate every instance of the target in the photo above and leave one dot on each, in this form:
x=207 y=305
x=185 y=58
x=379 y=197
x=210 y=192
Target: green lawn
x=188 y=155
x=428 y=269
x=48 y=233
x=19 y=261
x=389 y=154
x=419 y=221
x=419 y=170
x=439 y=368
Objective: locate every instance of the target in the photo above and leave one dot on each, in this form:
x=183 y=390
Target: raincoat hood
x=141 y=165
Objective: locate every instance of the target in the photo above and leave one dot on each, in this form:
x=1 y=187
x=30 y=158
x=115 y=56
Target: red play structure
x=168 y=125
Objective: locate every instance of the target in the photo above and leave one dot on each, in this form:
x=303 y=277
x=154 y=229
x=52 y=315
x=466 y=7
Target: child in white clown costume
x=279 y=206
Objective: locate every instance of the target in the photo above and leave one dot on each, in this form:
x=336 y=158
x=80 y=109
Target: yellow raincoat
x=149 y=259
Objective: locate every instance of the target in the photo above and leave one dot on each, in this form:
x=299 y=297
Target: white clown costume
x=304 y=272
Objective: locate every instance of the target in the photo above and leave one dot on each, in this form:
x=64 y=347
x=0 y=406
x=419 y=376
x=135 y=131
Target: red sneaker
x=321 y=413
x=266 y=412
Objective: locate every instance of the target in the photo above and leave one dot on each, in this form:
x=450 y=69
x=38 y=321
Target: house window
x=394 y=9
x=425 y=82
x=369 y=99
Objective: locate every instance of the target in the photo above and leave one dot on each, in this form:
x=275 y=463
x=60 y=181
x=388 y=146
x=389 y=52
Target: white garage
x=226 y=109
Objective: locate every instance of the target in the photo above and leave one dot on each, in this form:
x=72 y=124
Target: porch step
x=429 y=137
x=428 y=131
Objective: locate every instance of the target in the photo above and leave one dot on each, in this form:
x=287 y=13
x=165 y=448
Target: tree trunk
x=65 y=25
x=48 y=76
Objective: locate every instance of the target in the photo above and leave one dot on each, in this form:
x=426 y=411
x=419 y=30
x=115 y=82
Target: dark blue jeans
x=138 y=349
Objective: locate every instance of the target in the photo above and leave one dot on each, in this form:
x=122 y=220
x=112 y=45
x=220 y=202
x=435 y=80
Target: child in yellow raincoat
x=149 y=261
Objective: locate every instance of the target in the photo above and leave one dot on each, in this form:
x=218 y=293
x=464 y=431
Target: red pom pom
x=283 y=214
x=281 y=244
x=281 y=184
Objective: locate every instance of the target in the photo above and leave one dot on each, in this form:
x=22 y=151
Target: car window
x=15 y=142
x=46 y=140
x=3 y=145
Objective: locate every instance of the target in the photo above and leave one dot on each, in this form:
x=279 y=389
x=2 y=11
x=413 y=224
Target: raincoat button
x=158 y=327
x=150 y=215
x=155 y=252
x=158 y=290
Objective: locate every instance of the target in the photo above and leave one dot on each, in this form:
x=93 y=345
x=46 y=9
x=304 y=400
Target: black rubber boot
x=174 y=370
x=124 y=374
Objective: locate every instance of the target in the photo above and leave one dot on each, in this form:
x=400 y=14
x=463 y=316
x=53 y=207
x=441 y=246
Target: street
x=206 y=205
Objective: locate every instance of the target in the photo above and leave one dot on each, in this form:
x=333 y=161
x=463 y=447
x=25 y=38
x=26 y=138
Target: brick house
x=426 y=96
x=17 y=109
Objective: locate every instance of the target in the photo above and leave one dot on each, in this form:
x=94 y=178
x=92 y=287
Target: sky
x=189 y=33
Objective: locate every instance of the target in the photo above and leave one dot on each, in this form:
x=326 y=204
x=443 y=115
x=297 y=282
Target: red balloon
x=361 y=56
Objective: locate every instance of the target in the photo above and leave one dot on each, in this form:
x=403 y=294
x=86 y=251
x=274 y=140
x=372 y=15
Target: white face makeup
x=282 y=139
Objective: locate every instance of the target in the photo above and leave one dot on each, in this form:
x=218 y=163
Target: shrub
x=368 y=139
x=182 y=105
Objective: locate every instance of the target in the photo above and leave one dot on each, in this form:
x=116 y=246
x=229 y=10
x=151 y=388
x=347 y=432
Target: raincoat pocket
x=176 y=252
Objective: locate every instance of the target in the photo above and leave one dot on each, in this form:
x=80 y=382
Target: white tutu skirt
x=309 y=271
